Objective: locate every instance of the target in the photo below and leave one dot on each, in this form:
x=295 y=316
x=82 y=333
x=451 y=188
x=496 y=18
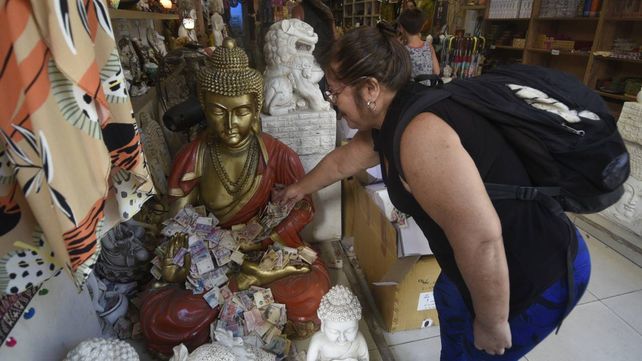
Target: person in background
x=511 y=270
x=410 y=5
x=422 y=54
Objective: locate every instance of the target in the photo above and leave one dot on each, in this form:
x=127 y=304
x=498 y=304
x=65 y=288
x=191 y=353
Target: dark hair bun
x=387 y=29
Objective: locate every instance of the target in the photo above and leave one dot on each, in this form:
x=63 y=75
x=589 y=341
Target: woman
x=422 y=54
x=503 y=285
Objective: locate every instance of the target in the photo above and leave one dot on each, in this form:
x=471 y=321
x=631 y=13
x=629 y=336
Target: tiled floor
x=605 y=326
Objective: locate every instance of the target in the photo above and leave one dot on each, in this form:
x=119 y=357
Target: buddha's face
x=340 y=332
x=229 y=119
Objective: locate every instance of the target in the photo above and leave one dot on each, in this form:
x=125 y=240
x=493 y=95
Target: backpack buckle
x=526 y=193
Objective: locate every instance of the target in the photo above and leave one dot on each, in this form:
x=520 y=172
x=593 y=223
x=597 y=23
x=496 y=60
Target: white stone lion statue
x=292 y=74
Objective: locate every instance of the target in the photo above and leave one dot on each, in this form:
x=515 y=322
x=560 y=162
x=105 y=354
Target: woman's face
x=344 y=99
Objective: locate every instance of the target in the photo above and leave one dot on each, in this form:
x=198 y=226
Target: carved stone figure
x=218 y=27
x=157 y=42
x=292 y=74
x=225 y=348
x=123 y=257
x=447 y=71
x=339 y=337
x=216 y=21
x=132 y=67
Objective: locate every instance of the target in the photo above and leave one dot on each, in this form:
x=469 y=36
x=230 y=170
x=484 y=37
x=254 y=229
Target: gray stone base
x=312 y=135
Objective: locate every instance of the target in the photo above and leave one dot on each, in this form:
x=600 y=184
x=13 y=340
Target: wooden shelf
x=474 y=7
x=568 y=18
x=620 y=60
x=505 y=47
x=623 y=18
x=513 y=19
x=616 y=96
x=561 y=52
x=135 y=14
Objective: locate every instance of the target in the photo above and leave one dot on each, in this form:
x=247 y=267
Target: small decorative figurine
x=292 y=74
x=123 y=257
x=339 y=337
x=447 y=71
x=186 y=30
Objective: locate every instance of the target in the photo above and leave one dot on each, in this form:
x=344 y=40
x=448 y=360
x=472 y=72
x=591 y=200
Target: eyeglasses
x=331 y=96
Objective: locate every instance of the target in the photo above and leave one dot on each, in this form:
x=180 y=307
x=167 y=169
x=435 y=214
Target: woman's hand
x=493 y=339
x=287 y=195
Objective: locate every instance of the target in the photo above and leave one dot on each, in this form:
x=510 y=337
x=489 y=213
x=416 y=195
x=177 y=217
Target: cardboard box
x=519 y=43
x=402 y=287
x=563 y=44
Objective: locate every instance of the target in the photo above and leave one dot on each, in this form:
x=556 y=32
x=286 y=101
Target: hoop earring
x=372 y=105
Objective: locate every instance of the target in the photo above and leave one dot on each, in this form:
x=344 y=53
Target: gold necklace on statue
x=252 y=159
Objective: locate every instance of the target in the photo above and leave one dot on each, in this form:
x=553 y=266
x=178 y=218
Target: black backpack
x=581 y=164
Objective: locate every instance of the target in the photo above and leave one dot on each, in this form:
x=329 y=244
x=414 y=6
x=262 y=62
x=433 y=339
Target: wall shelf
x=135 y=14
x=621 y=60
x=602 y=31
x=507 y=19
x=561 y=52
x=506 y=47
x=564 y=18
x=474 y=7
x=623 y=18
x=616 y=96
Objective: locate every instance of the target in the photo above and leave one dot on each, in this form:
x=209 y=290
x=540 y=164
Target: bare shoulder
x=428 y=130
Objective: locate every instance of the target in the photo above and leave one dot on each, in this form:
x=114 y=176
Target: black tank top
x=536 y=240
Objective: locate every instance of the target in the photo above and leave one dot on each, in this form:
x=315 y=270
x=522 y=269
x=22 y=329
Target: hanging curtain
x=71 y=162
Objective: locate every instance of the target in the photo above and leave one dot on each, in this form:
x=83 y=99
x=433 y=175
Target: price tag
x=426 y=301
x=555 y=52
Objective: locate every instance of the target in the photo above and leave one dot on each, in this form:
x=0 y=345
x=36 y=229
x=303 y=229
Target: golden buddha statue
x=231 y=169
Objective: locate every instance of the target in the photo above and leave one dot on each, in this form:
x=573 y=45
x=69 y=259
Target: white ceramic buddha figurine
x=339 y=337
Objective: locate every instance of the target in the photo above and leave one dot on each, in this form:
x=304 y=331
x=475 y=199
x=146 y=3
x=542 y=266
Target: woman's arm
x=445 y=181
x=341 y=163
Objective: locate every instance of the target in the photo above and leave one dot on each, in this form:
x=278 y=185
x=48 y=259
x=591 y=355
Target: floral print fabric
x=71 y=162
x=421 y=59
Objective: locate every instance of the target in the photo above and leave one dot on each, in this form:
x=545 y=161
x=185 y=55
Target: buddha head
x=231 y=94
x=339 y=313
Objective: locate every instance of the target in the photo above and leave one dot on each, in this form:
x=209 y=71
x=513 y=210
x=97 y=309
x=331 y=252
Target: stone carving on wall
x=156 y=150
x=628 y=210
x=292 y=74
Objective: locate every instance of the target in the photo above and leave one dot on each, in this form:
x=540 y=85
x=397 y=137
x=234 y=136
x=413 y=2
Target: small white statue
x=218 y=26
x=339 y=337
x=225 y=348
x=292 y=74
x=448 y=72
x=102 y=349
x=157 y=42
x=187 y=27
x=143 y=5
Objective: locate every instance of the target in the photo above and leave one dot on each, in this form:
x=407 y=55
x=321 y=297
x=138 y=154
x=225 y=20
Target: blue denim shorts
x=528 y=328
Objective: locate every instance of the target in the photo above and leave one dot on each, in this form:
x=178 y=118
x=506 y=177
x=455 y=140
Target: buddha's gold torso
x=228 y=179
